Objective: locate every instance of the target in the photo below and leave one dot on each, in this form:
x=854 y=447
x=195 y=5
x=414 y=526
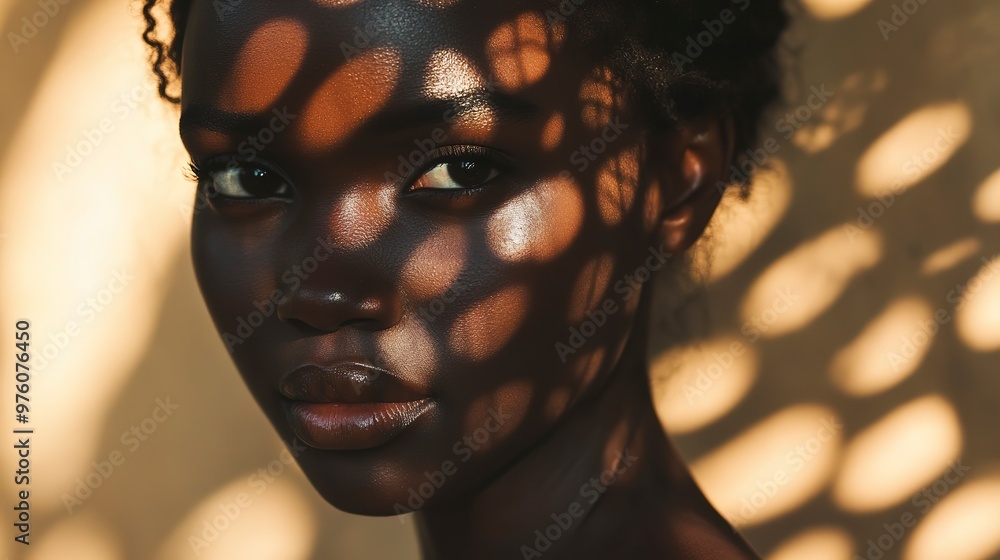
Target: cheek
x=490 y=324
x=431 y=272
x=582 y=293
x=233 y=274
x=537 y=295
x=538 y=225
x=495 y=286
x=500 y=412
x=599 y=319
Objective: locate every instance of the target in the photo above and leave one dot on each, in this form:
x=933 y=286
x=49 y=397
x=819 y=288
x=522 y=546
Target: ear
x=689 y=163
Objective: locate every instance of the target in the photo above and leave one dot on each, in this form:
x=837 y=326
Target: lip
x=349 y=405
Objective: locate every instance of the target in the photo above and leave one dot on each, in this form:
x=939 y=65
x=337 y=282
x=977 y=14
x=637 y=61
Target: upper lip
x=346 y=382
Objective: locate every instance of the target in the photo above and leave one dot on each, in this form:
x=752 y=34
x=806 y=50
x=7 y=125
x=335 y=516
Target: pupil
x=260 y=182
x=469 y=173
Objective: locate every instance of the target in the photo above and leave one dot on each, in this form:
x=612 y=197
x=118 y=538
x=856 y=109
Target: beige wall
x=800 y=395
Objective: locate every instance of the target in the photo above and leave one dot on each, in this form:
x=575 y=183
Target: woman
x=425 y=231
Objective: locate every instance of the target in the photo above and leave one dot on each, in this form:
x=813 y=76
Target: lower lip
x=352 y=426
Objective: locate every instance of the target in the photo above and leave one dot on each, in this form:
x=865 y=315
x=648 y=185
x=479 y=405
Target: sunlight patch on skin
x=820 y=543
x=834 y=9
x=267 y=63
x=962 y=526
x=558 y=28
x=614 y=447
x=511 y=401
x=552 y=132
x=556 y=403
x=347 y=229
x=351 y=95
x=337 y=3
x=652 y=207
x=888 y=350
x=914 y=148
x=474 y=125
x=949 y=256
x=449 y=73
x=601 y=97
x=617 y=182
x=409 y=350
x=591 y=287
x=484 y=329
x=211 y=141
x=697 y=384
x=519 y=51
x=978 y=315
x=588 y=365
x=538 y=224
x=898 y=454
x=432 y=270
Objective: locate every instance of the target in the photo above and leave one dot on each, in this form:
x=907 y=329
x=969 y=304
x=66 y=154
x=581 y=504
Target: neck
x=605 y=471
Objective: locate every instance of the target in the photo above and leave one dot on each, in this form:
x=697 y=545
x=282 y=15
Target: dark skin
x=462 y=297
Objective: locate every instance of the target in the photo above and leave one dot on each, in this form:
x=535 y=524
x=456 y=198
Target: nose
x=329 y=310
x=348 y=278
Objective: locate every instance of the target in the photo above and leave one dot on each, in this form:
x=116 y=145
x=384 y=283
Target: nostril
x=303 y=325
x=358 y=321
x=324 y=311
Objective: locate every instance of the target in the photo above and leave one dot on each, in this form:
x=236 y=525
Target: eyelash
x=200 y=173
x=197 y=173
x=453 y=153
x=193 y=172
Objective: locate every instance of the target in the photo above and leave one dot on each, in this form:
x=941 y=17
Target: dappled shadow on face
x=469 y=295
x=836 y=352
x=266 y=65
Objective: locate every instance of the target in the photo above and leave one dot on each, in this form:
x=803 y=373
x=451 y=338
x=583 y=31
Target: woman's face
x=448 y=192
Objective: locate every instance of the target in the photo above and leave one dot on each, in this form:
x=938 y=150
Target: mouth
x=349 y=405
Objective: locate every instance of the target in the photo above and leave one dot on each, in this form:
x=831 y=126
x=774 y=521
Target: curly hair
x=166 y=55
x=680 y=58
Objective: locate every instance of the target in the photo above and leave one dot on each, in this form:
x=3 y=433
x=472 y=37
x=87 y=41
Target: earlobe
x=692 y=176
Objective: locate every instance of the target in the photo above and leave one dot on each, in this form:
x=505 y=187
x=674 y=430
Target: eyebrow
x=504 y=106
x=207 y=117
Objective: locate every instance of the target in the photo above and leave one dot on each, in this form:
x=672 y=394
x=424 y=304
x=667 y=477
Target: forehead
x=339 y=63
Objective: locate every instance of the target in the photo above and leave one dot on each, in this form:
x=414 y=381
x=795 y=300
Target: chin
x=362 y=483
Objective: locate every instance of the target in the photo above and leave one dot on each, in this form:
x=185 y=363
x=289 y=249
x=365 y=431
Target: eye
x=242 y=180
x=459 y=168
